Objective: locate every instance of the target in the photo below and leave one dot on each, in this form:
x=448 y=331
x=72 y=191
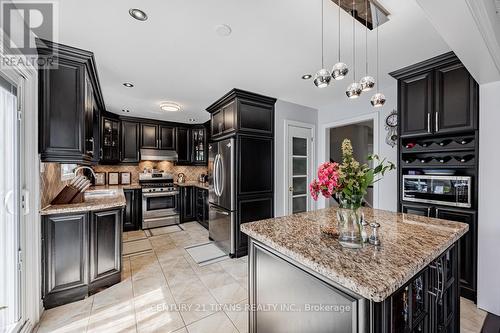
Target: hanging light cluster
x=339 y=71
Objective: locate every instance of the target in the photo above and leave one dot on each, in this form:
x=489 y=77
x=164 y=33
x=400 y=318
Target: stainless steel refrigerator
x=222 y=195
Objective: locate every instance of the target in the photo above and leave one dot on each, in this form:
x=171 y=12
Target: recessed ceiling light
x=138 y=14
x=170 y=106
x=191 y=120
x=223 y=30
x=128 y=84
x=125 y=110
x=306 y=76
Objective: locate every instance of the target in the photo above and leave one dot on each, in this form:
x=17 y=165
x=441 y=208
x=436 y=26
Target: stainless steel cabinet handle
x=220 y=211
x=428 y=211
x=428 y=122
x=437 y=121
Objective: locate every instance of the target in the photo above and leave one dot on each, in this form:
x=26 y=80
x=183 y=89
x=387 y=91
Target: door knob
x=290 y=189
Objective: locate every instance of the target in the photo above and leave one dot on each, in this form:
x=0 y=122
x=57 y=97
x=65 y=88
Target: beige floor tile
x=471 y=318
x=163 y=242
x=135 y=247
x=230 y=293
x=133 y=235
x=238 y=314
x=198 y=307
x=72 y=317
x=216 y=279
x=216 y=323
x=126 y=270
x=147 y=284
x=118 y=317
x=182 y=290
x=182 y=330
x=119 y=293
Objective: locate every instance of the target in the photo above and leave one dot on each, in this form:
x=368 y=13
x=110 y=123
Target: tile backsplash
x=50 y=182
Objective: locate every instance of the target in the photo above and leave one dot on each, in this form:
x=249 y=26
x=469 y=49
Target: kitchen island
x=302 y=280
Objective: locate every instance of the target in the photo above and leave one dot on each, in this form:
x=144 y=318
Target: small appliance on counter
x=160 y=200
x=203 y=178
x=181 y=178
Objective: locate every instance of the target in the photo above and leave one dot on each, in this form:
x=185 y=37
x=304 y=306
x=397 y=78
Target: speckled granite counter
x=193 y=183
x=408 y=244
x=93 y=203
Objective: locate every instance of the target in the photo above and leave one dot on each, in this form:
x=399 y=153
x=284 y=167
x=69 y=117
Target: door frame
x=324 y=148
x=32 y=305
x=312 y=127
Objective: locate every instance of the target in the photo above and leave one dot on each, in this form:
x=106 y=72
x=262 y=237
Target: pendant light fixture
x=367 y=82
x=322 y=77
x=378 y=99
x=354 y=89
x=339 y=70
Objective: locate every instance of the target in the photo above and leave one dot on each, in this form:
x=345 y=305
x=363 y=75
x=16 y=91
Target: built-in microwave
x=441 y=190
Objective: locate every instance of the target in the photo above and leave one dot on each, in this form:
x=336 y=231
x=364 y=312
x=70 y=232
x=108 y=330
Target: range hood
x=158 y=155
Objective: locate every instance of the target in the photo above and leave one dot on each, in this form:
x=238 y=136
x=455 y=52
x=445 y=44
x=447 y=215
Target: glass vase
x=349 y=218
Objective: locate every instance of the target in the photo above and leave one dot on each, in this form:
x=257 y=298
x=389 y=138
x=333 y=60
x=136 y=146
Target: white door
x=11 y=214
x=300 y=163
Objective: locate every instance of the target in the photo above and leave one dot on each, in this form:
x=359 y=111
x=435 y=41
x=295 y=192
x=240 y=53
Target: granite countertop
x=408 y=244
x=194 y=183
x=92 y=203
x=134 y=186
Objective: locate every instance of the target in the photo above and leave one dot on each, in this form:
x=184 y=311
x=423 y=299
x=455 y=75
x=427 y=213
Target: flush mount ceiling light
x=322 y=77
x=138 y=14
x=223 y=30
x=354 y=89
x=306 y=76
x=339 y=70
x=128 y=84
x=170 y=106
x=367 y=82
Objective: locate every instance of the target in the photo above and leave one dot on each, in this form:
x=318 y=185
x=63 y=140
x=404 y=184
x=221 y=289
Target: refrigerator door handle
x=222 y=175
x=216 y=178
x=220 y=211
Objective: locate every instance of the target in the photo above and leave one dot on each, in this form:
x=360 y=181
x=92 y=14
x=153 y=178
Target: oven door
x=160 y=204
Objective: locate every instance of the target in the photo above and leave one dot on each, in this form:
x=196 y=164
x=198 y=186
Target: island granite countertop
x=408 y=244
x=93 y=203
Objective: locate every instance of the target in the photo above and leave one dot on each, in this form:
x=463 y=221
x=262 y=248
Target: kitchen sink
x=100 y=193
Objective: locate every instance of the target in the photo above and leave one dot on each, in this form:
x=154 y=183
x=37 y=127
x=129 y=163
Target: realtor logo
x=23 y=21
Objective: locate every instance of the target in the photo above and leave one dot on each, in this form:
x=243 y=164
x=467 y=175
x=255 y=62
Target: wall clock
x=391 y=126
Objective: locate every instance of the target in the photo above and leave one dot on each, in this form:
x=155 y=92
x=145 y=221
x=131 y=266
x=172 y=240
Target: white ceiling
x=177 y=56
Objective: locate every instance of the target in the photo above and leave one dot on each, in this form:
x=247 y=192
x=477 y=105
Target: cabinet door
x=415 y=98
x=183 y=145
x=110 y=145
x=188 y=204
x=199 y=146
x=62 y=116
x=255 y=117
x=468 y=249
x=131 y=214
x=149 y=136
x=89 y=119
x=251 y=209
x=65 y=247
x=130 y=142
x=167 y=137
x=217 y=123
x=456 y=99
x=229 y=117
x=421 y=210
x=105 y=244
x=255 y=163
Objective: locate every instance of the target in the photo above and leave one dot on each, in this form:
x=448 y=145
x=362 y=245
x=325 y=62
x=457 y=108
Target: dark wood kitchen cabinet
x=202 y=206
x=65 y=257
x=258 y=172
x=110 y=141
x=81 y=253
x=149 y=136
x=187 y=203
x=183 y=146
x=167 y=137
x=199 y=145
x=69 y=98
x=130 y=135
x=132 y=217
x=437 y=96
x=105 y=248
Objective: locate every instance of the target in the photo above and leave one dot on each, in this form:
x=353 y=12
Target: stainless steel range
x=160 y=200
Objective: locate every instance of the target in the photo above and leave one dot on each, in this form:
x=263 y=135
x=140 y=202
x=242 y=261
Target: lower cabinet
x=81 y=252
x=202 y=207
x=188 y=203
x=132 y=218
x=251 y=208
x=105 y=248
x=467 y=244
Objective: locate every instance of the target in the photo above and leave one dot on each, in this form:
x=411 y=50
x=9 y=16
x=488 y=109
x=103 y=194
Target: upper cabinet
x=110 y=143
x=69 y=104
x=242 y=112
x=437 y=96
x=199 y=139
x=130 y=132
x=183 y=146
x=149 y=136
x=167 y=137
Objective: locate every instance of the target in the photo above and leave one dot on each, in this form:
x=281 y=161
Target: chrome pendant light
x=322 y=77
x=339 y=70
x=367 y=82
x=377 y=100
x=354 y=89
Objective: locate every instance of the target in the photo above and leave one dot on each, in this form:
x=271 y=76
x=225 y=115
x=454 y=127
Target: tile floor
x=166 y=291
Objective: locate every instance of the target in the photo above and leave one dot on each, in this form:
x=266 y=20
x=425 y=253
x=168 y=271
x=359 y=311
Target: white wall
x=287 y=111
x=489 y=214
x=346 y=109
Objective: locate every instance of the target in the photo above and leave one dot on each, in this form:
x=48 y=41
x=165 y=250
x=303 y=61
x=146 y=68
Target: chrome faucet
x=85 y=167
